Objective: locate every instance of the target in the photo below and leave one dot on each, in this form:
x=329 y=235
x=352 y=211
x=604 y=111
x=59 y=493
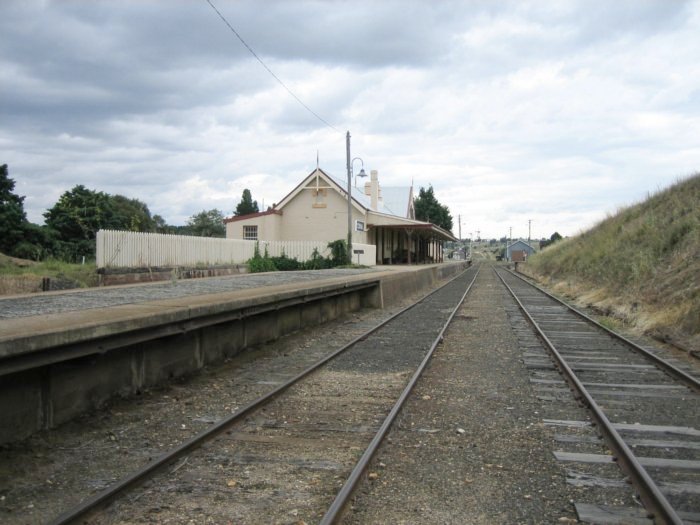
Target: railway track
x=645 y=408
x=296 y=453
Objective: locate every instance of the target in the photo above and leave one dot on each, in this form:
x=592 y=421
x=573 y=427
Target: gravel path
x=52 y=303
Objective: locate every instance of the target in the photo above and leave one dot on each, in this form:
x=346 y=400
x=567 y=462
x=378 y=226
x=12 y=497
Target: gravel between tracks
x=469 y=445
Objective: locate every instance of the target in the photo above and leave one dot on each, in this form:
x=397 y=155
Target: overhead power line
x=268 y=69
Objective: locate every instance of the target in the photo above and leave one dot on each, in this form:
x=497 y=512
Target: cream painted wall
x=306 y=218
x=268 y=227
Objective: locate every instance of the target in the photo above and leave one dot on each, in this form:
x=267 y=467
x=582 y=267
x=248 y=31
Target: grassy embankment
x=640 y=267
x=21 y=276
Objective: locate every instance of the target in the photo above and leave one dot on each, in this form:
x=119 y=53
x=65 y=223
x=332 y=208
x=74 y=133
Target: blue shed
x=519 y=251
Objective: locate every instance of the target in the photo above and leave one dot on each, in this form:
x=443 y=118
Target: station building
x=317 y=210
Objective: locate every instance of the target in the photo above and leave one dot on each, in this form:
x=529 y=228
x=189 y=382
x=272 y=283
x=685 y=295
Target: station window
x=250 y=233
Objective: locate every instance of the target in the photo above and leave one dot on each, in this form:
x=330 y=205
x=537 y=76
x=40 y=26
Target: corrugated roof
x=364 y=200
x=395 y=199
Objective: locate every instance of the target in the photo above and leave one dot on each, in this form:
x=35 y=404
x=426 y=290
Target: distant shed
x=519 y=251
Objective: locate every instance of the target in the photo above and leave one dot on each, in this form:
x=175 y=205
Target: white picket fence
x=121 y=249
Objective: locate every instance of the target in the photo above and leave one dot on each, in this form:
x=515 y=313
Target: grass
x=84 y=275
x=642 y=264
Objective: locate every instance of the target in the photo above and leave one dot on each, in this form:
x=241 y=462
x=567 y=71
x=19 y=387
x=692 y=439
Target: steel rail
x=93 y=503
x=654 y=501
x=343 y=497
x=685 y=378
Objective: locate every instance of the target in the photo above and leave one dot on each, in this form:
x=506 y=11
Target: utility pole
x=478 y=235
x=349 y=168
x=459 y=221
x=510 y=239
x=529 y=225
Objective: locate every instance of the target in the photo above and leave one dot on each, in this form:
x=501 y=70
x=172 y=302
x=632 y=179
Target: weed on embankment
x=641 y=266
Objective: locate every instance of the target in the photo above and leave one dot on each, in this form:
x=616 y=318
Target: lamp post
x=361 y=174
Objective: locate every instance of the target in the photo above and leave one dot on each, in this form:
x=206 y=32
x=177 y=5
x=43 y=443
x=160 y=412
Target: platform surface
x=33 y=321
x=89 y=298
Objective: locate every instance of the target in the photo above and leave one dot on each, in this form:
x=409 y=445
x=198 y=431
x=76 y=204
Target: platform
x=62 y=353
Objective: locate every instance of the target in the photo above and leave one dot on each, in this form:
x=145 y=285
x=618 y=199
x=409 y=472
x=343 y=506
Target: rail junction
x=320 y=435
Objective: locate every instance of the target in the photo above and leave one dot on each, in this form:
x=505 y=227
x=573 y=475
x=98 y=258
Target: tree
x=75 y=219
x=207 y=224
x=36 y=244
x=160 y=224
x=247 y=204
x=556 y=236
x=131 y=215
x=430 y=210
x=79 y=213
x=13 y=219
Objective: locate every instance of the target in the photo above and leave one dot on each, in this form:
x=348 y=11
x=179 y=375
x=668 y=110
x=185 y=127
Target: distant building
x=316 y=210
x=519 y=251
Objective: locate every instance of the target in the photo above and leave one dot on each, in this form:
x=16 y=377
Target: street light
x=361 y=174
x=349 y=168
x=362 y=169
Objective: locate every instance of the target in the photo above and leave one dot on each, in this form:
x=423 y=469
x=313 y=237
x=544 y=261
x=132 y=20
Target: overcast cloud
x=558 y=112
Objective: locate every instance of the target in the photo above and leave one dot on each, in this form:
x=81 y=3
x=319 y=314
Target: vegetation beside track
x=24 y=276
x=640 y=266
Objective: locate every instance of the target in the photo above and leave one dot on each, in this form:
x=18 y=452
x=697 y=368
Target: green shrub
x=265 y=263
x=261 y=263
x=317 y=262
x=286 y=264
x=339 y=253
x=27 y=250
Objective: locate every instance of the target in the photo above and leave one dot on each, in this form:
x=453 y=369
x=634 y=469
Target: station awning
x=424 y=229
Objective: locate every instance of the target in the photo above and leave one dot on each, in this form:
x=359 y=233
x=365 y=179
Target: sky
x=558 y=113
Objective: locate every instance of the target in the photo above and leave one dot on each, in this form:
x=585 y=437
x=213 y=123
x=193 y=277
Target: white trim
x=332 y=184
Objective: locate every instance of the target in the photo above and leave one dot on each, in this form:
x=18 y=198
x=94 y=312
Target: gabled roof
x=399 y=196
x=520 y=242
x=396 y=203
x=251 y=215
x=332 y=182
